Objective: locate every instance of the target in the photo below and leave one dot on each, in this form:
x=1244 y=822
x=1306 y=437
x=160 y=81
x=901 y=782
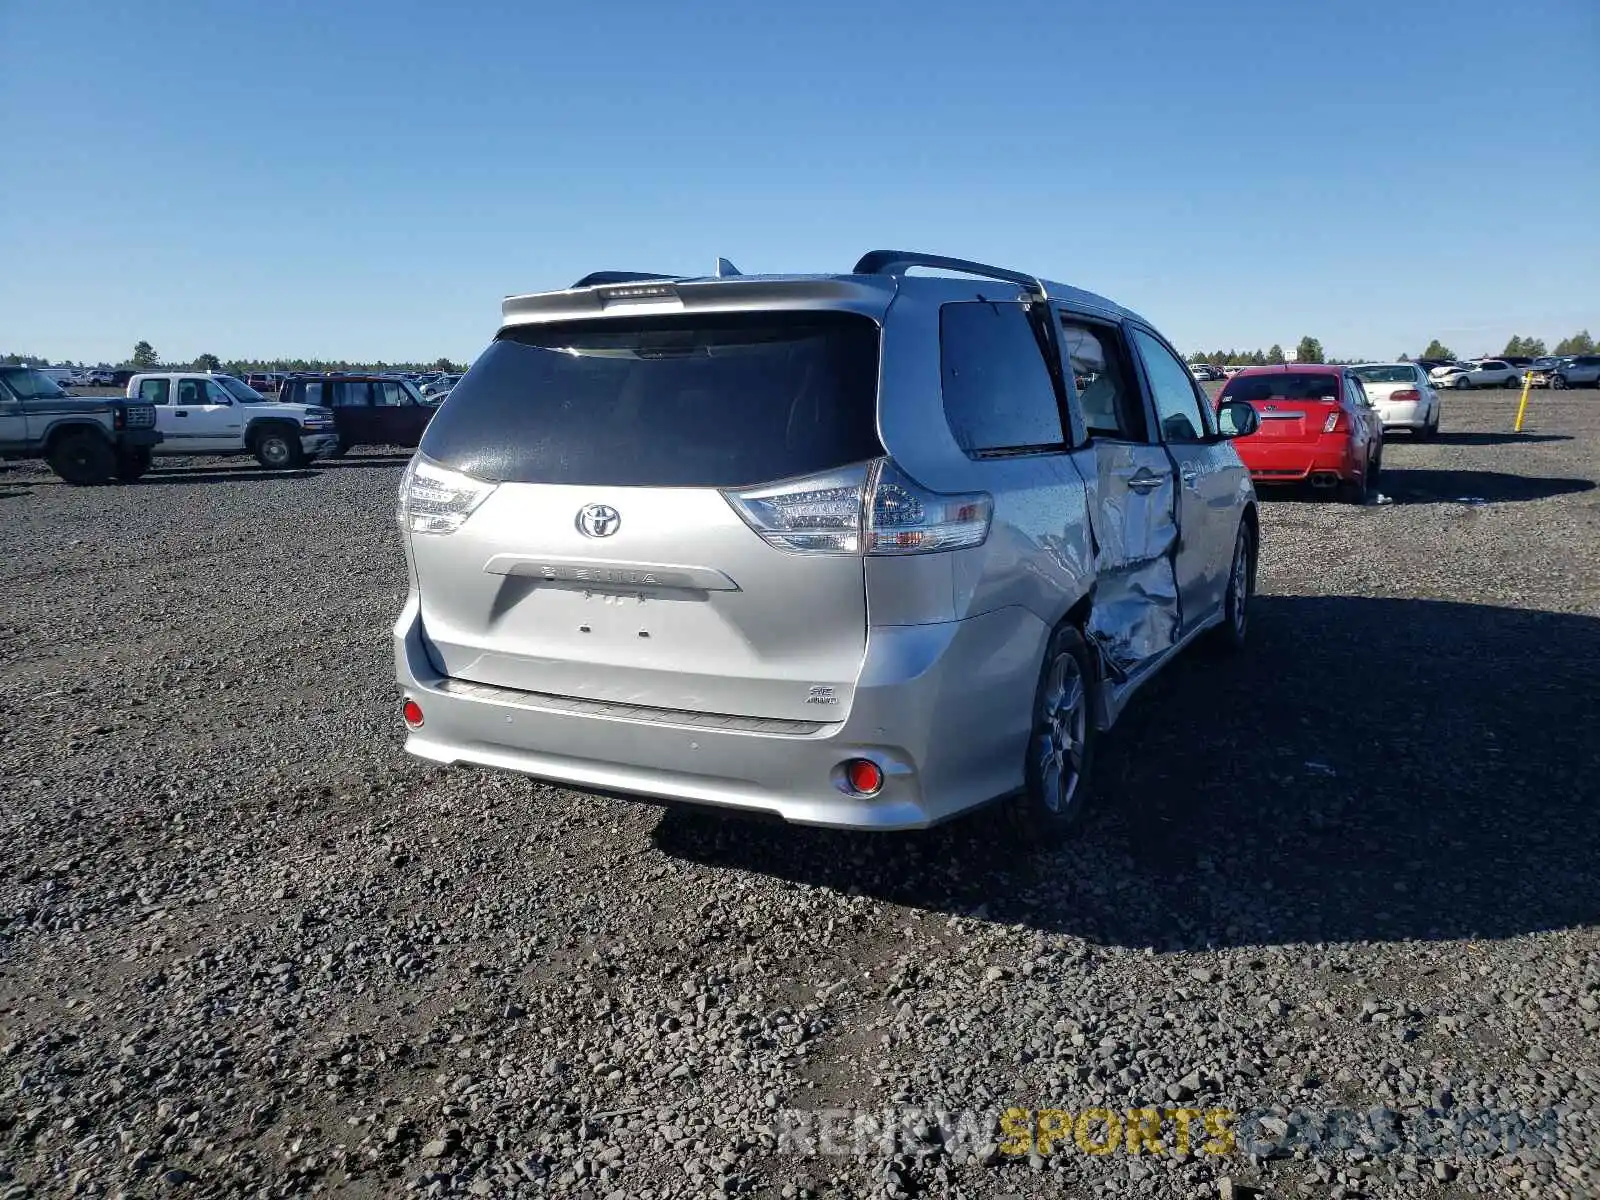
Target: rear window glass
x=1386 y=374
x=705 y=400
x=1288 y=386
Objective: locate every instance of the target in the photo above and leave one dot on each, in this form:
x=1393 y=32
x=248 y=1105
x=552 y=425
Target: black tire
x=1060 y=755
x=1463 y=384
x=83 y=459
x=1230 y=636
x=277 y=448
x=1354 y=491
x=1511 y=382
x=132 y=464
x=1558 y=383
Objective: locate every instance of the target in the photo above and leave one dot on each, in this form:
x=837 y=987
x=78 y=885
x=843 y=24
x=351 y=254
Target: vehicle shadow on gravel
x=1371 y=770
x=1489 y=439
x=364 y=462
x=1418 y=485
x=186 y=475
x=1408 y=485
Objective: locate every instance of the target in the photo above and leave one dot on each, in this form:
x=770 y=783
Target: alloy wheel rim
x=1062 y=729
x=1241 y=587
x=275 y=450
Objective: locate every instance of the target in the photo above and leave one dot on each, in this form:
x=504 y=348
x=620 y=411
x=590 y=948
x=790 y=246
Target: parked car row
x=428 y=382
x=94 y=440
x=312 y=416
x=1512 y=371
x=1325 y=425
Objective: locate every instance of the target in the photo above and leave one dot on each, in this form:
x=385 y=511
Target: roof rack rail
x=601 y=278
x=890 y=262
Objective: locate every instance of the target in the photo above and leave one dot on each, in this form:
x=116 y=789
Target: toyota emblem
x=598 y=520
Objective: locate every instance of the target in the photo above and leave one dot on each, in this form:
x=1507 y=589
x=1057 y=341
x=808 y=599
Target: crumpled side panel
x=1135 y=611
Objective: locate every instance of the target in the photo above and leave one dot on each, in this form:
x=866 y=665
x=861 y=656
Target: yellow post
x=1522 y=409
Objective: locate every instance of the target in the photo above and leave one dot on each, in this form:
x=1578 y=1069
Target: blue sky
x=366 y=180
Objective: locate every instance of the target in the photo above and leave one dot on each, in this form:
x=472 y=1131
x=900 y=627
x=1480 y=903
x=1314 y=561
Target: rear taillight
x=1332 y=422
x=435 y=500
x=1406 y=394
x=872 y=508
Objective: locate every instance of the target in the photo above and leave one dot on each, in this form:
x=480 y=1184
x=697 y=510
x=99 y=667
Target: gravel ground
x=248 y=947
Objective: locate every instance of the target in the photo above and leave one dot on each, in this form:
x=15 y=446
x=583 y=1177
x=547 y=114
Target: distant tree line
x=145 y=358
x=1530 y=347
x=1310 y=350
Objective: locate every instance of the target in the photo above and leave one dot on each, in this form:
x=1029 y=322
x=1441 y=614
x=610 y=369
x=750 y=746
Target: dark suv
x=368 y=410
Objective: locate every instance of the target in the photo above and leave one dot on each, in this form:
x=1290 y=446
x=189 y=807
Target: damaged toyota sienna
x=864 y=550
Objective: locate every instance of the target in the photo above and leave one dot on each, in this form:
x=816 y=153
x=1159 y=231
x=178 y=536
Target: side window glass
x=1173 y=390
x=351 y=393
x=155 y=391
x=190 y=392
x=313 y=393
x=998 y=394
x=1110 y=403
x=388 y=394
x=217 y=394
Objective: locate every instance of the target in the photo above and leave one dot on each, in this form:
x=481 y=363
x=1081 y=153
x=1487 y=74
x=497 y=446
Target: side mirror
x=1236 y=419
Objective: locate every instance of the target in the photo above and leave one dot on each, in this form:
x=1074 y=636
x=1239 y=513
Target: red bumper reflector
x=864 y=776
x=412 y=712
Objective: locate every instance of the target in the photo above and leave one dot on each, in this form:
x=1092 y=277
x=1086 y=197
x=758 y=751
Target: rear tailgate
x=1292 y=407
x=608 y=564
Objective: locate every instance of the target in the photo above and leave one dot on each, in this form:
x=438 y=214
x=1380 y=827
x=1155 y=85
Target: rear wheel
x=132 y=464
x=1511 y=382
x=83 y=459
x=277 y=449
x=1354 y=491
x=1061 y=746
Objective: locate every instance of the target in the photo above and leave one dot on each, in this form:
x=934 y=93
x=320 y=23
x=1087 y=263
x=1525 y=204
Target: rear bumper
x=1296 y=462
x=1409 y=414
x=943 y=709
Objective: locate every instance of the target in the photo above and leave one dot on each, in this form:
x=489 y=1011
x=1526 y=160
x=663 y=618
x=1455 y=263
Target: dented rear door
x=1131 y=484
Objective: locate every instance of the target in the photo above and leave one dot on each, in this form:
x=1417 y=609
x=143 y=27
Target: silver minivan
x=862 y=550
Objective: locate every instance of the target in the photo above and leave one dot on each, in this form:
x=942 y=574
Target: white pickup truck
x=202 y=413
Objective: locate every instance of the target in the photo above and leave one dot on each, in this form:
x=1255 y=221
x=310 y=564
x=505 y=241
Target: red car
x=1317 y=427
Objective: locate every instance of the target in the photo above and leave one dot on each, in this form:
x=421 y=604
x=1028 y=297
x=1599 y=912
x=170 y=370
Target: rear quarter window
x=691 y=400
x=998 y=394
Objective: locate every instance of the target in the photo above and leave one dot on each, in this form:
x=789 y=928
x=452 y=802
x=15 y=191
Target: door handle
x=180 y=413
x=1190 y=477
x=1146 y=481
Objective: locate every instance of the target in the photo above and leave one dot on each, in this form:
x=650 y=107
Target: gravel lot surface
x=248 y=947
